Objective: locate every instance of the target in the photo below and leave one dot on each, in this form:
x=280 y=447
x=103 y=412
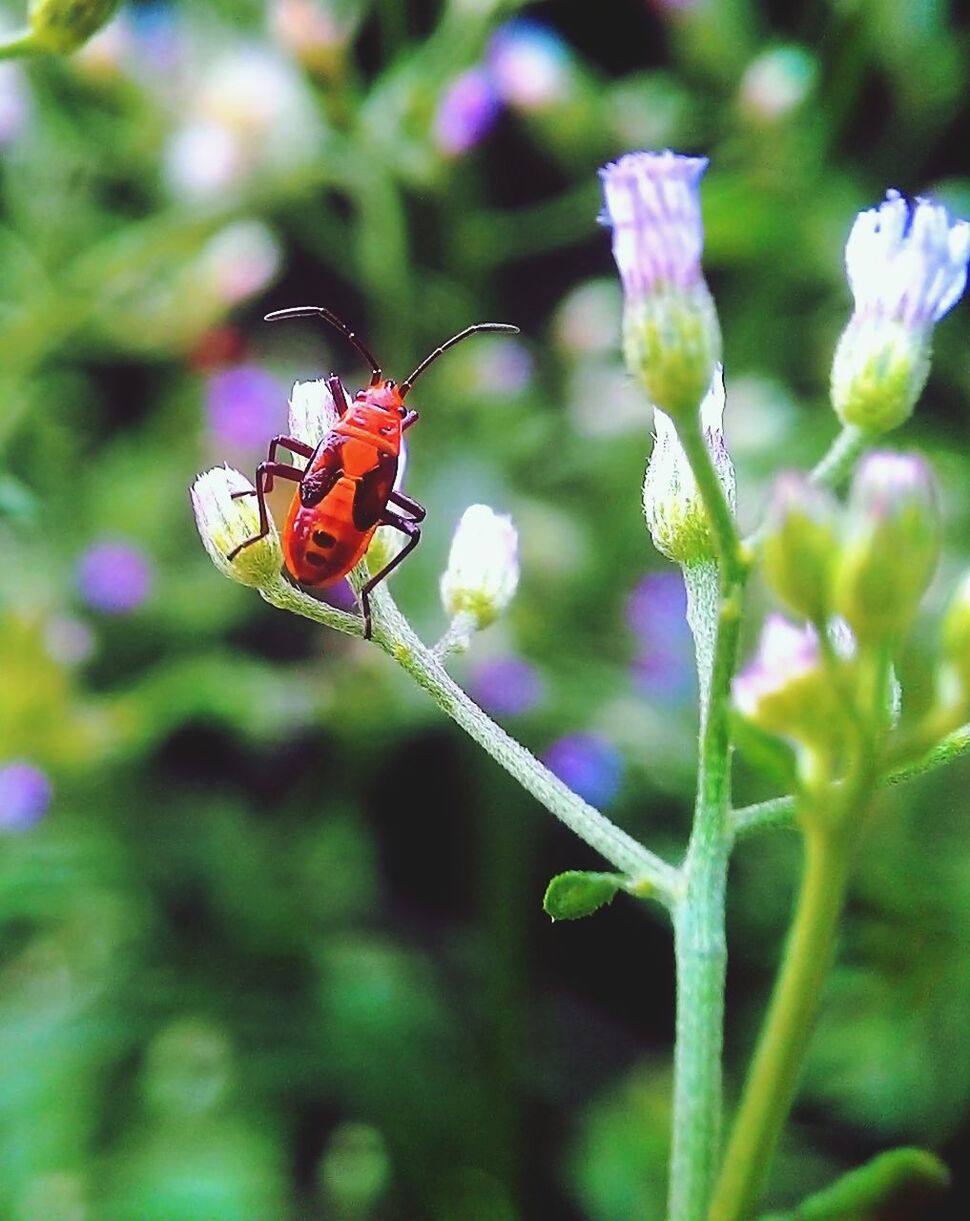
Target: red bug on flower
x=346 y=490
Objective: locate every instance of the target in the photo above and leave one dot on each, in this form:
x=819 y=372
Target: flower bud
x=786 y=689
x=800 y=546
x=62 y=26
x=313 y=412
x=907 y=266
x=675 y=513
x=224 y=523
x=956 y=640
x=891 y=546
x=483 y=566
x=671 y=337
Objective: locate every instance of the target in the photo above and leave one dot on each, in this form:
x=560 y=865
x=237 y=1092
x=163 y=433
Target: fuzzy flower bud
x=907 y=266
x=671 y=337
x=62 y=26
x=312 y=411
x=786 y=690
x=956 y=641
x=224 y=523
x=672 y=504
x=891 y=547
x=801 y=545
x=483 y=566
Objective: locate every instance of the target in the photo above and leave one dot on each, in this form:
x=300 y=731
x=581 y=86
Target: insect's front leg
x=336 y=388
x=265 y=473
x=403 y=501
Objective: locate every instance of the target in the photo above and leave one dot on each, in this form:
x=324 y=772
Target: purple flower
x=505 y=686
x=245 y=406
x=588 y=764
x=529 y=64
x=657 y=615
x=467 y=112
x=653 y=205
x=25 y=794
x=114 y=577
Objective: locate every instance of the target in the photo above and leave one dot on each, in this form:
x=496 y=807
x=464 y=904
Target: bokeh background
x=271 y=939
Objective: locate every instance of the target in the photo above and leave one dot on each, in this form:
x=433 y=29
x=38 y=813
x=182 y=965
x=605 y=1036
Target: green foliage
x=572 y=895
x=273 y=949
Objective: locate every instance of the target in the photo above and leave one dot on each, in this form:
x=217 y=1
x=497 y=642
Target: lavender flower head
x=114 y=577
x=908 y=263
x=25 y=794
x=657 y=615
x=786 y=653
x=244 y=406
x=907 y=266
x=588 y=764
x=467 y=112
x=505 y=686
x=671 y=336
x=653 y=207
x=530 y=65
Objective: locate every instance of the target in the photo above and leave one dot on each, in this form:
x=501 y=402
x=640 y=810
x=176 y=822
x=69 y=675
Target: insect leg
x=413 y=531
x=265 y=473
x=293 y=444
x=409 y=419
x=403 y=501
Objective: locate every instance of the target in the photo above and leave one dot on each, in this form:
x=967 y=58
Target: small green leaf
x=895 y=1186
x=577 y=893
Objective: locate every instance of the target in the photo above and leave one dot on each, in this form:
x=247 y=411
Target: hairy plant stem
x=647 y=872
x=774 y=1073
x=836 y=466
x=714 y=613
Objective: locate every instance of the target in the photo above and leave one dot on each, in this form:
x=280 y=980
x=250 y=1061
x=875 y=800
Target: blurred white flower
x=312 y=411
x=250 y=114
x=483 y=566
x=239 y=261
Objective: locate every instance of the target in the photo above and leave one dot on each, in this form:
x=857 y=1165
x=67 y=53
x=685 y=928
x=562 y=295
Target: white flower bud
x=224 y=523
x=907 y=266
x=672 y=504
x=313 y=412
x=483 y=566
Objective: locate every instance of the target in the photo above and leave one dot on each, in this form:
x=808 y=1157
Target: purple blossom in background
x=340 y=596
x=656 y=613
x=25 y=794
x=114 y=577
x=505 y=686
x=588 y=764
x=529 y=64
x=245 y=406
x=467 y=112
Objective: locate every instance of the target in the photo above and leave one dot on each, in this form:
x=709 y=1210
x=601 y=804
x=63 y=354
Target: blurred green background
x=271 y=939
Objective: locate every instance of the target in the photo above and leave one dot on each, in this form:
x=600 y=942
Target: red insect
x=346 y=490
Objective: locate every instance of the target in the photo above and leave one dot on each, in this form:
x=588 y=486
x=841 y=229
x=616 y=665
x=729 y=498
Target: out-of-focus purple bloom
x=505 y=686
x=160 y=36
x=114 y=577
x=467 y=112
x=588 y=764
x=657 y=615
x=340 y=596
x=244 y=406
x=503 y=367
x=25 y=794
x=14 y=102
x=658 y=605
x=529 y=63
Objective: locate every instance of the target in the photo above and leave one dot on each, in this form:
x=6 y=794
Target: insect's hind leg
x=413 y=531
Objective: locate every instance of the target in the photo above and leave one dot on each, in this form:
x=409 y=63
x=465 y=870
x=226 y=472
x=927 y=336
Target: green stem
x=723 y=529
x=609 y=840
x=777 y=1064
x=778 y=813
x=19 y=45
x=699 y=937
x=836 y=466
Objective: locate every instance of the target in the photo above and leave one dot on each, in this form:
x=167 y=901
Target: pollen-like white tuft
x=224 y=522
x=313 y=412
x=907 y=262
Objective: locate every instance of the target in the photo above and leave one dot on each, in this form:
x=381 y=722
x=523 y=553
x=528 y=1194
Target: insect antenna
x=307 y=311
x=408 y=382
